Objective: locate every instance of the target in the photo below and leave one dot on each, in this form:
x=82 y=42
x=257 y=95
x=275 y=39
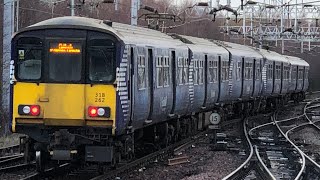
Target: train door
x=273 y=76
x=205 y=80
x=139 y=85
x=257 y=80
x=64 y=97
x=282 y=79
x=306 y=80
x=254 y=74
x=131 y=82
x=150 y=84
x=295 y=75
x=219 y=76
x=242 y=76
x=174 y=80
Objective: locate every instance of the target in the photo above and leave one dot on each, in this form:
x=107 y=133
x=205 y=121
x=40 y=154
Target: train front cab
x=63 y=93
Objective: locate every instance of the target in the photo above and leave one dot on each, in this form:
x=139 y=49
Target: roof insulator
x=106 y=22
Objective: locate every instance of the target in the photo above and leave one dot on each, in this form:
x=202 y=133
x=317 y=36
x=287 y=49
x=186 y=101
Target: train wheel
x=40 y=161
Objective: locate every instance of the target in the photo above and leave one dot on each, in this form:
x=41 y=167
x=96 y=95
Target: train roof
x=273 y=56
x=240 y=50
x=144 y=36
x=127 y=33
x=204 y=45
x=297 y=61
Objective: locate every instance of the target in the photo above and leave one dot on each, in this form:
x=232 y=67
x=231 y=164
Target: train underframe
x=97 y=145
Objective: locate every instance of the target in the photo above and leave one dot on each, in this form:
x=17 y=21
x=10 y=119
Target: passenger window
x=307 y=74
x=225 y=70
x=300 y=74
x=238 y=73
x=215 y=71
x=29 y=58
x=166 y=72
x=163 y=72
x=186 y=71
x=278 y=72
x=141 y=72
x=101 y=60
x=201 y=65
x=30 y=67
x=258 y=70
x=180 y=71
x=211 y=71
x=294 y=73
x=270 y=72
x=248 y=75
x=159 y=72
x=286 y=71
x=196 y=71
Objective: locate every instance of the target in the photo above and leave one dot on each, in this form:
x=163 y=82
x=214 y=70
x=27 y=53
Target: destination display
x=66 y=48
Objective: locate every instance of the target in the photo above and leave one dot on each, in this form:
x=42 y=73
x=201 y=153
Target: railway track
x=144 y=161
x=253 y=166
x=9 y=150
x=273 y=155
x=309 y=150
x=257 y=164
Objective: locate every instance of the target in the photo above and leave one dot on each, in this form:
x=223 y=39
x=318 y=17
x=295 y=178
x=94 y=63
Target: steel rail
x=16 y=167
x=48 y=172
x=303 y=166
x=12 y=159
x=312 y=92
x=9 y=147
x=273 y=123
x=9 y=157
x=284 y=120
x=308 y=157
x=146 y=159
x=265 y=169
x=243 y=166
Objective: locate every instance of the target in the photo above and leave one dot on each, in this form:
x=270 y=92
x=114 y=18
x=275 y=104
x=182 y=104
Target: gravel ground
x=310 y=136
x=9 y=140
x=204 y=164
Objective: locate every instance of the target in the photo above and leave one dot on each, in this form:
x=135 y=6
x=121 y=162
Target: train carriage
x=211 y=72
x=97 y=91
x=298 y=76
x=247 y=71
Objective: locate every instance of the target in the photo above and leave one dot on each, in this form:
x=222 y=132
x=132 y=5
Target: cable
x=171 y=27
x=36 y=10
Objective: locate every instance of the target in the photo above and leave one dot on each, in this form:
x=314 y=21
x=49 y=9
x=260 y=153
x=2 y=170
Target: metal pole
x=260 y=36
x=52 y=10
x=244 y=25
x=251 y=26
x=281 y=33
x=72 y=7
x=17 y=14
x=13 y=15
x=295 y=18
x=6 y=57
x=309 y=27
x=134 y=12
x=116 y=5
x=211 y=3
